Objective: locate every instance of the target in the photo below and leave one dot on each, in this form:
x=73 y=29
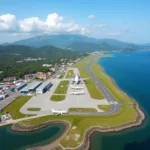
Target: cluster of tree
x=10 y=54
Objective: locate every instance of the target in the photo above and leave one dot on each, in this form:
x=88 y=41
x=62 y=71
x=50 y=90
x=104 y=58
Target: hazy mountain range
x=80 y=43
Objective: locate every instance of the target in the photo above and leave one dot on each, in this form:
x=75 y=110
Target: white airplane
x=78 y=88
x=76 y=79
x=77 y=93
x=59 y=112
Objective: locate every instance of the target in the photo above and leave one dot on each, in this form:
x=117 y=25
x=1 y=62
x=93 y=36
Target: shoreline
x=86 y=142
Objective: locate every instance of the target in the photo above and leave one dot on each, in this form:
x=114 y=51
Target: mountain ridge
x=79 y=42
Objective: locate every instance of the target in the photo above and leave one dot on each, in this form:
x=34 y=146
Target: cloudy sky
x=124 y=20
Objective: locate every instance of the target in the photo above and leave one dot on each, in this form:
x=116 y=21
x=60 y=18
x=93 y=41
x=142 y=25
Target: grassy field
x=95 y=93
x=57 y=98
x=97 y=70
x=104 y=107
x=69 y=74
x=62 y=87
x=15 y=106
x=82 y=123
x=34 y=109
x=82 y=110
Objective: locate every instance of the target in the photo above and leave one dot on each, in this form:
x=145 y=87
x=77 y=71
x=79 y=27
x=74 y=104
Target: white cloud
x=113 y=34
x=100 y=25
x=53 y=24
x=91 y=16
x=8 y=23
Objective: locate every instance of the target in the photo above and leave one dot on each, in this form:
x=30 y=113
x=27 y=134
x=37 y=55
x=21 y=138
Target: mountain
x=86 y=46
x=80 y=43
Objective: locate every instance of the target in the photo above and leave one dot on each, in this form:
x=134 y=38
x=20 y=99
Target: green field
x=15 y=106
x=62 y=87
x=104 y=107
x=34 y=109
x=57 y=98
x=82 y=110
x=95 y=93
x=97 y=70
x=82 y=123
x=69 y=74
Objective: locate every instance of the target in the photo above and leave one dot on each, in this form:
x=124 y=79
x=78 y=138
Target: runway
x=115 y=106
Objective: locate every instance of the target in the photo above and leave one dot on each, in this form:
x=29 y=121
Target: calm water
x=11 y=140
x=131 y=72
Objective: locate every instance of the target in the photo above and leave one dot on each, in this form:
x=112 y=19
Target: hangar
x=43 y=87
x=31 y=87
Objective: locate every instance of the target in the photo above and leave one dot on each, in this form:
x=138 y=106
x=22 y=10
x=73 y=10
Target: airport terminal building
x=43 y=87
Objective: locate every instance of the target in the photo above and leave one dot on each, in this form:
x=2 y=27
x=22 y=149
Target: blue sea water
x=131 y=73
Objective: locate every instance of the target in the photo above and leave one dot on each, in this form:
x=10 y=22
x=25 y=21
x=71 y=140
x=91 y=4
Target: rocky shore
x=85 y=145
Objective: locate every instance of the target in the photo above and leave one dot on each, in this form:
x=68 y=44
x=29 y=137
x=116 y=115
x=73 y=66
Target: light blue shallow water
x=131 y=72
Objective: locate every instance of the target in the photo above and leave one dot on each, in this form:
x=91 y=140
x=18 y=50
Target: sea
x=131 y=73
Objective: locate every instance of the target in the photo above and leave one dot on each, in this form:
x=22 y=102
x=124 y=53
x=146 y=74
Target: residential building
x=41 y=75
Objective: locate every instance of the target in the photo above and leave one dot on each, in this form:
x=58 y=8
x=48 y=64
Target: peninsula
x=100 y=107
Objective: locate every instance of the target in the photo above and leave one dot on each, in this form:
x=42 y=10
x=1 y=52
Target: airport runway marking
x=110 y=102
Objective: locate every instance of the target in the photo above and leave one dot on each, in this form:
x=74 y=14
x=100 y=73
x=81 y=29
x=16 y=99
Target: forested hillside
x=17 y=60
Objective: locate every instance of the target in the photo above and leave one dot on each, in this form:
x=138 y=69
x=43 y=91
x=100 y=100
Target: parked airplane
x=78 y=88
x=77 y=93
x=59 y=112
x=76 y=79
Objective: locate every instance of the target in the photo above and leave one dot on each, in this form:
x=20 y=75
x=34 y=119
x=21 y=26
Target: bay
x=12 y=140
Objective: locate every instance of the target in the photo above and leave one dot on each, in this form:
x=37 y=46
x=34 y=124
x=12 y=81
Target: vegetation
x=14 y=107
x=34 y=109
x=95 y=93
x=62 y=87
x=82 y=110
x=104 y=107
x=107 y=81
x=82 y=123
x=69 y=74
x=9 y=55
x=57 y=97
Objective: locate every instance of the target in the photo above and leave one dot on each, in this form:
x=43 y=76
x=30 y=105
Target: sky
x=123 y=20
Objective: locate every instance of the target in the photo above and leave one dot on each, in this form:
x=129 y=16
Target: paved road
x=8 y=100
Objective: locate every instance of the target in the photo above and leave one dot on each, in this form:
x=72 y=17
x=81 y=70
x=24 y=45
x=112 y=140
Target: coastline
x=19 y=127
x=86 y=142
